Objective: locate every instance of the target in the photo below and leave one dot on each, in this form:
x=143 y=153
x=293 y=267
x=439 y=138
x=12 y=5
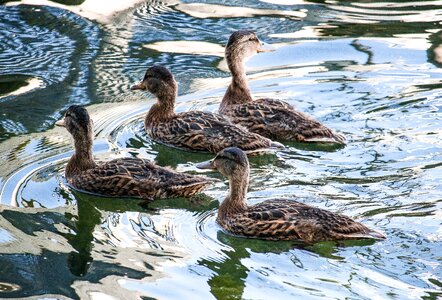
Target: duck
x=121 y=177
x=196 y=131
x=274 y=119
x=276 y=219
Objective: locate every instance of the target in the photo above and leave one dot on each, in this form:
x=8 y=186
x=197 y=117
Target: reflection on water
x=14 y=85
x=204 y=10
x=368 y=69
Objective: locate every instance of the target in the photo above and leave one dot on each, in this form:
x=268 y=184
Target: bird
x=276 y=219
x=274 y=119
x=196 y=131
x=121 y=177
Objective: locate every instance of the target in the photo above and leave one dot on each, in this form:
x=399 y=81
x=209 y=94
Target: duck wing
x=284 y=219
x=139 y=178
x=204 y=131
x=277 y=119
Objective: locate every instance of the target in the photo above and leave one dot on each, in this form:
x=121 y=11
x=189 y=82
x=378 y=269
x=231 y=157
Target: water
x=368 y=69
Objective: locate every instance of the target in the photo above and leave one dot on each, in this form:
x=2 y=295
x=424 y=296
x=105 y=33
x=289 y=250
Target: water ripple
x=34 y=45
x=370 y=70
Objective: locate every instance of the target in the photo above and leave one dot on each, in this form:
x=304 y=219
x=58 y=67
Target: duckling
x=122 y=177
x=276 y=219
x=271 y=118
x=193 y=130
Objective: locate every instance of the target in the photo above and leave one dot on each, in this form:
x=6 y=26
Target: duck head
x=159 y=81
x=233 y=163
x=77 y=122
x=230 y=162
x=243 y=44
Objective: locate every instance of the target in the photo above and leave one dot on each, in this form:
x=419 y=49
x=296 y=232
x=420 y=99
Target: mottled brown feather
x=193 y=130
x=273 y=119
x=206 y=132
x=138 y=178
x=122 y=177
x=278 y=120
x=283 y=219
x=277 y=219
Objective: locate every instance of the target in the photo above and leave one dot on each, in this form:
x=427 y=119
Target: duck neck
x=82 y=159
x=161 y=111
x=238 y=91
x=236 y=201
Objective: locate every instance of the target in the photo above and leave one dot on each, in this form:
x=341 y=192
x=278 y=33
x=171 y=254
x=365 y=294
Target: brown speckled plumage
x=193 y=130
x=277 y=219
x=122 y=177
x=273 y=119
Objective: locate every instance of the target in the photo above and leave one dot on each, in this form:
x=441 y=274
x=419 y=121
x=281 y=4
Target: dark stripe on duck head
x=77 y=116
x=159 y=72
x=234 y=154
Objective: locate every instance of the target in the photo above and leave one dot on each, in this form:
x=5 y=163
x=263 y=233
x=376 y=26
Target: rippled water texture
x=368 y=69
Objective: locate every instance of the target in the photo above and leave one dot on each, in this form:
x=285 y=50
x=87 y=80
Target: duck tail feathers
x=336 y=138
x=372 y=234
x=276 y=145
x=192 y=187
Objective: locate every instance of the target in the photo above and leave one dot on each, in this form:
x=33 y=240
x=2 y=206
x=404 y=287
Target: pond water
x=368 y=69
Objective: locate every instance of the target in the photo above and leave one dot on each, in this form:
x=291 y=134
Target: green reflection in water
x=228 y=283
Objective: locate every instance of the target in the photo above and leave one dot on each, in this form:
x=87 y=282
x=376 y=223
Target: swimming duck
x=193 y=130
x=122 y=177
x=271 y=118
x=276 y=219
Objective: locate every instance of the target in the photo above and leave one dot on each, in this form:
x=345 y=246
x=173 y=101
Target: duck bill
x=206 y=165
x=60 y=123
x=138 y=86
x=264 y=47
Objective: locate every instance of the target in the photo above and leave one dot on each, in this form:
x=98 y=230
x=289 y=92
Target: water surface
x=370 y=70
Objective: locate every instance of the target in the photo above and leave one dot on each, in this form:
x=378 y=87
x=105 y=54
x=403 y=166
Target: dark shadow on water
x=81 y=240
x=12 y=82
x=434 y=53
x=66 y=2
x=325 y=147
x=230 y=274
x=199 y=202
x=89 y=216
x=50 y=272
x=53 y=272
x=328 y=249
x=168 y=156
x=265 y=159
x=69 y=2
x=112 y=204
x=45 y=273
